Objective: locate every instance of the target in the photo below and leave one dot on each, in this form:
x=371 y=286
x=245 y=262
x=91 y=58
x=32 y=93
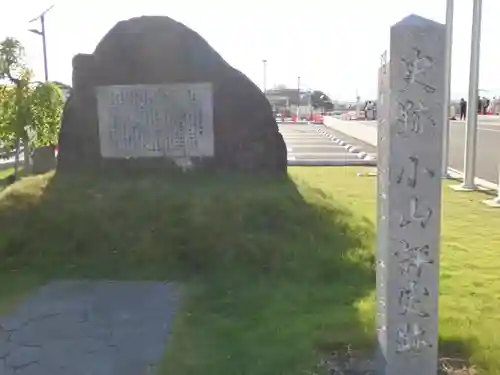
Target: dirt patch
x=352 y=362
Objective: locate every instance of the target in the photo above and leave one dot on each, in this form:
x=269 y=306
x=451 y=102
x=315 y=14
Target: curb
x=457 y=175
x=330 y=163
x=454 y=174
x=348 y=147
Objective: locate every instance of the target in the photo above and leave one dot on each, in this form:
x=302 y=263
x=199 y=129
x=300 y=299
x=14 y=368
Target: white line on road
x=330 y=155
x=300 y=136
x=329 y=145
x=316 y=140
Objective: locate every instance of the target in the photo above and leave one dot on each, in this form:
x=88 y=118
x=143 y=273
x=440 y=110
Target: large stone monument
x=155 y=94
x=411 y=86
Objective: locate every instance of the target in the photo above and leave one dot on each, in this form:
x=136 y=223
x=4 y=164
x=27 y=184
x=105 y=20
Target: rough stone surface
x=409 y=190
x=158 y=50
x=44 y=159
x=83 y=327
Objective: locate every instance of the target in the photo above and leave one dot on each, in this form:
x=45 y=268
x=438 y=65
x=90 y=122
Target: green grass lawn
x=6 y=172
x=275 y=273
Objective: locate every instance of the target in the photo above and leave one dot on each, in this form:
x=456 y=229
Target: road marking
x=330 y=146
x=332 y=155
x=290 y=157
x=325 y=141
x=289 y=149
x=298 y=136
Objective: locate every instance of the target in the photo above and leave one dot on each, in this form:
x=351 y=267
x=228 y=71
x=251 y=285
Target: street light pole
x=264 y=63
x=471 y=128
x=447 y=87
x=41 y=32
x=44 y=42
x=298 y=92
x=358 y=109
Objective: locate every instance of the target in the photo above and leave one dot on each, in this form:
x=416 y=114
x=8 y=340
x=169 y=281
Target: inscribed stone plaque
x=410 y=198
x=171 y=120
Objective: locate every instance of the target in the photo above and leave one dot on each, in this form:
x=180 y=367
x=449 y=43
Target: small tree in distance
x=30 y=112
x=320 y=100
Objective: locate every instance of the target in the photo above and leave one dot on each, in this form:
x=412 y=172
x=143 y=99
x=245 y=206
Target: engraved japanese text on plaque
x=171 y=120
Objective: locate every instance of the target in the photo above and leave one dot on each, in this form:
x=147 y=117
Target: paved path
x=316 y=145
x=488 y=142
x=88 y=328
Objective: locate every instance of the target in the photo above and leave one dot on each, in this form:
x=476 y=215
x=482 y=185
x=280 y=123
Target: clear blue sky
x=334 y=45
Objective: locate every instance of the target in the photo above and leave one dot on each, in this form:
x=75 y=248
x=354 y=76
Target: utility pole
x=469 y=183
x=447 y=87
x=298 y=94
x=358 y=109
x=264 y=63
x=41 y=32
x=309 y=104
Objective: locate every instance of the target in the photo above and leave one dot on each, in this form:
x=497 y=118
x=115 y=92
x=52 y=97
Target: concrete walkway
x=88 y=328
x=357 y=129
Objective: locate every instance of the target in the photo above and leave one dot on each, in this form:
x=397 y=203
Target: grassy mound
x=183 y=227
x=272 y=268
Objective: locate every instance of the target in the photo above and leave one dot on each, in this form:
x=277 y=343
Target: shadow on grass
x=456 y=354
x=273 y=269
x=6 y=181
x=194 y=225
x=269 y=270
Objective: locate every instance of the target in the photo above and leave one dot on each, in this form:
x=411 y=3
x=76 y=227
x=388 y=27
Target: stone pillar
x=411 y=100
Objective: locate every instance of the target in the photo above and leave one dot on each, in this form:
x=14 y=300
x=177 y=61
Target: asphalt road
x=488 y=147
x=488 y=150
x=308 y=145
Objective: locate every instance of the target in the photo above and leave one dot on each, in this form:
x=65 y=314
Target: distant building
x=287 y=100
